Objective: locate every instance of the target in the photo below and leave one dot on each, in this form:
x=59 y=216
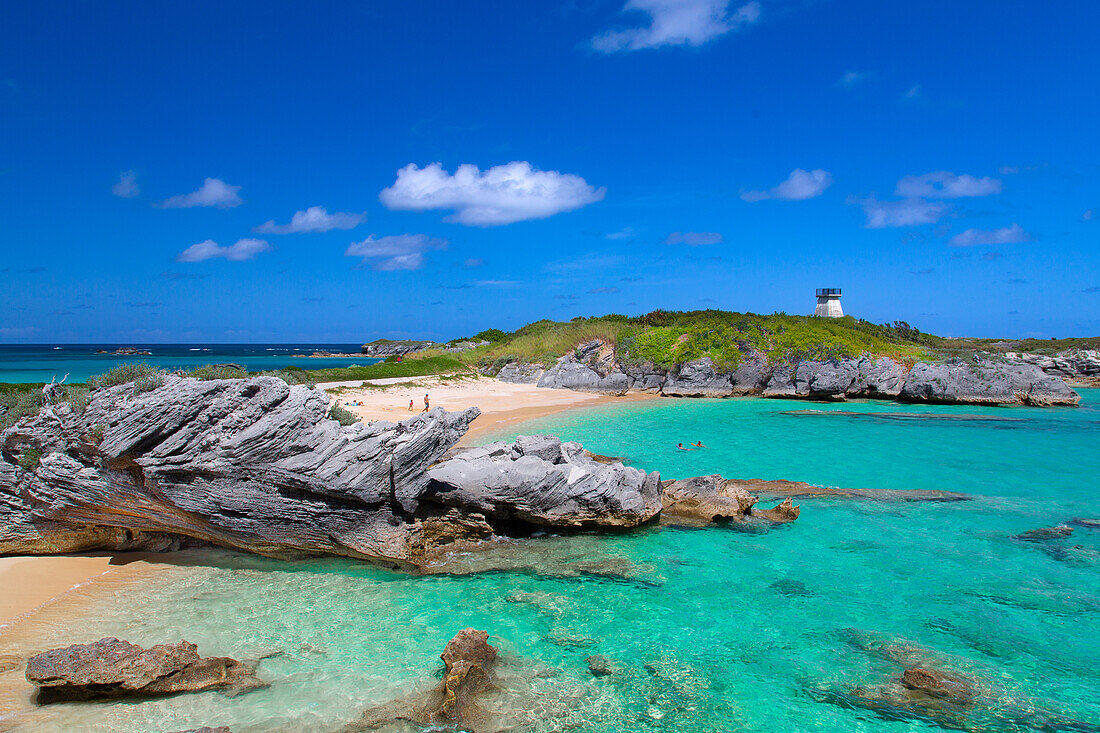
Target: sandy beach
x=501 y=403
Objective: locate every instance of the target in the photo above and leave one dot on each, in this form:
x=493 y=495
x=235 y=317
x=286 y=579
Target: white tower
x=828 y=303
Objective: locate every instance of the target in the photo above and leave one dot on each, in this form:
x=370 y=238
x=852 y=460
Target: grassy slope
x=668 y=338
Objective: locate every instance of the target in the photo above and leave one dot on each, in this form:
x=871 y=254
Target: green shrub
x=217 y=371
x=77 y=396
x=30 y=459
x=342 y=416
x=148 y=382
x=128 y=372
x=16 y=404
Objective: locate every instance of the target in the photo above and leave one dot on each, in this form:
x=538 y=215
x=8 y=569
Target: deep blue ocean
x=709 y=629
x=43 y=362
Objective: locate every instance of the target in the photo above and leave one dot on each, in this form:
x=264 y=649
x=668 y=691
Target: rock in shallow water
x=110 y=668
x=541 y=481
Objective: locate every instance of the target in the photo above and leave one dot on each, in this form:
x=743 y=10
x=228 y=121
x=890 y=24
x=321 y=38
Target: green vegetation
x=217 y=371
x=17 y=403
x=342 y=416
x=30 y=459
x=145 y=377
x=389 y=369
x=670 y=337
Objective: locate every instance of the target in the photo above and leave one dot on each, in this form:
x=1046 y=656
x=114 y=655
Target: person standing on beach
x=425 y=403
x=410 y=405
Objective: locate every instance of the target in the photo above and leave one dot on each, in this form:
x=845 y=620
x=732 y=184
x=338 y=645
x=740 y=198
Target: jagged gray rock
x=985 y=381
x=698 y=378
x=542 y=481
x=569 y=373
x=252 y=464
x=520 y=373
x=1014 y=379
x=383 y=348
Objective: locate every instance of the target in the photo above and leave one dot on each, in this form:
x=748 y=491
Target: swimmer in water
x=680 y=446
x=698 y=445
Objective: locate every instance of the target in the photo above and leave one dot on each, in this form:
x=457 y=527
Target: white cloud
x=624 y=233
x=396 y=252
x=474 y=262
x=1005 y=235
x=1088 y=215
x=214 y=192
x=912 y=94
x=313 y=219
x=800 y=185
x=677 y=23
x=851 y=78
x=694 y=239
x=904 y=213
x=244 y=249
x=127 y=186
x=946 y=185
x=502 y=194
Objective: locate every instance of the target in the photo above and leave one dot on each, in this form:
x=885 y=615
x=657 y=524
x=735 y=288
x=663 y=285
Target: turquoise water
x=43 y=362
x=712 y=629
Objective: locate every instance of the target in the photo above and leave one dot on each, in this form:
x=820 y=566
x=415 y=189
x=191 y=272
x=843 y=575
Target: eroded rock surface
x=539 y=480
x=110 y=668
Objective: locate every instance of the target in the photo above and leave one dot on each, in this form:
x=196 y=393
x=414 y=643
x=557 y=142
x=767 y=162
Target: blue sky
x=339 y=171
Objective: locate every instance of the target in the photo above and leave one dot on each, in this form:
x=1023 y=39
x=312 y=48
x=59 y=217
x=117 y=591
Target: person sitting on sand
x=425 y=403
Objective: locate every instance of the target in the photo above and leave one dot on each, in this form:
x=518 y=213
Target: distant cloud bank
x=244 y=249
x=313 y=219
x=503 y=194
x=800 y=185
x=677 y=23
x=395 y=252
x=213 y=192
x=904 y=213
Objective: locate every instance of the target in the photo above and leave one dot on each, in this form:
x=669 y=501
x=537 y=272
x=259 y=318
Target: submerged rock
x=110 y=668
x=1044 y=534
x=453 y=703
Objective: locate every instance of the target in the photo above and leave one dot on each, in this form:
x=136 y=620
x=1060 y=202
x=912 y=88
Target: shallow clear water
x=41 y=363
x=713 y=629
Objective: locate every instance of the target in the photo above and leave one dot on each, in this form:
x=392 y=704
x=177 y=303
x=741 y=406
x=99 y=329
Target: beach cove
x=724 y=630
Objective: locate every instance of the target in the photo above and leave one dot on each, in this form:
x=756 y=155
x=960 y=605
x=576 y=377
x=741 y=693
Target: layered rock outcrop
x=712 y=499
x=1077 y=366
x=256 y=465
x=384 y=348
x=595 y=367
x=541 y=481
x=110 y=668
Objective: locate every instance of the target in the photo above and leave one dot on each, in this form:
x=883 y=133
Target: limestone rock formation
x=520 y=373
x=712 y=499
x=383 y=348
x=539 y=480
x=985 y=382
x=110 y=668
x=453 y=703
x=255 y=465
x=252 y=464
x=698 y=378
x=1013 y=379
x=1078 y=366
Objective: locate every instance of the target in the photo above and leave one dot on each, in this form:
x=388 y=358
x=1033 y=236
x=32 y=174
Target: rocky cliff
x=256 y=465
x=983 y=379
